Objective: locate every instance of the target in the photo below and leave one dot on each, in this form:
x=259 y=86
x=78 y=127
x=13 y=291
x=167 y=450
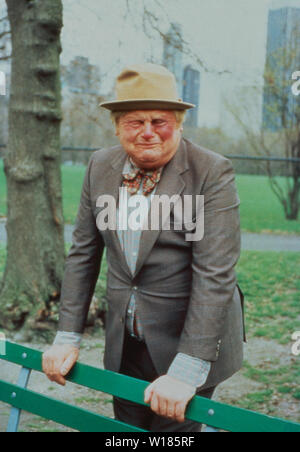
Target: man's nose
x=148 y=131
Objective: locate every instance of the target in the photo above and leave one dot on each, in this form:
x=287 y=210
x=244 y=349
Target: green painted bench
x=208 y=412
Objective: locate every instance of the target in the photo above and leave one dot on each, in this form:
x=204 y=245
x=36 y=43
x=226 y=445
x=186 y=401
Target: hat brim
x=145 y=104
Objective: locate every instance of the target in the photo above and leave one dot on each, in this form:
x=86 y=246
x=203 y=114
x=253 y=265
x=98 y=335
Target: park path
x=250 y=242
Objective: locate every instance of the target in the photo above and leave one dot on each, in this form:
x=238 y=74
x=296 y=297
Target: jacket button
x=121 y=320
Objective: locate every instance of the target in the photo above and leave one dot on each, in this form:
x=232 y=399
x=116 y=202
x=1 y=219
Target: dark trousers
x=137 y=363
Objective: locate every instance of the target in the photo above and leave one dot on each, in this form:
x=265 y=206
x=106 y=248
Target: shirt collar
x=129 y=166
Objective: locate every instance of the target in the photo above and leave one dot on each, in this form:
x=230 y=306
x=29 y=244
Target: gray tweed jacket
x=187 y=295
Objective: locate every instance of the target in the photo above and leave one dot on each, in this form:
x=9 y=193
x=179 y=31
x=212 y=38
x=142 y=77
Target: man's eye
x=159 y=122
x=136 y=123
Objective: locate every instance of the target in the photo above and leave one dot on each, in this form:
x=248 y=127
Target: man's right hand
x=58 y=361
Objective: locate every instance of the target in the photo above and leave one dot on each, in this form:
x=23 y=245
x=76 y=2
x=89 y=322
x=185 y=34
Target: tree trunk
x=294 y=200
x=35 y=241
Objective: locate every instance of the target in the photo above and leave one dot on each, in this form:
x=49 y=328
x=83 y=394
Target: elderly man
x=175 y=311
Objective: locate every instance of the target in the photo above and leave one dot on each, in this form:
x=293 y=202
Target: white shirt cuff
x=64 y=337
x=190 y=370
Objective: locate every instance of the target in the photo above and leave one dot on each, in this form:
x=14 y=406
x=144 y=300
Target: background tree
x=35 y=227
x=282 y=117
x=4 y=38
x=280 y=132
x=85 y=124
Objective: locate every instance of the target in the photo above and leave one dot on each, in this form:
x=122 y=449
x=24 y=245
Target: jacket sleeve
x=82 y=265
x=213 y=265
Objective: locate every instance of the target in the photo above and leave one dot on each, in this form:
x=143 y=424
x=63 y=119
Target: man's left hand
x=169 y=397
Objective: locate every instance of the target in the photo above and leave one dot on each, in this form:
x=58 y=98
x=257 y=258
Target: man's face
x=150 y=137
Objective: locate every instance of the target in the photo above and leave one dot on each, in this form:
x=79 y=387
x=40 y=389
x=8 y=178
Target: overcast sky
x=226 y=34
x=283 y=3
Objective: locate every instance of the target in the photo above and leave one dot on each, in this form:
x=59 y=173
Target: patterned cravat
x=132 y=180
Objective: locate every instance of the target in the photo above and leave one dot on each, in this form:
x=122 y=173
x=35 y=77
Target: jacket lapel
x=170 y=184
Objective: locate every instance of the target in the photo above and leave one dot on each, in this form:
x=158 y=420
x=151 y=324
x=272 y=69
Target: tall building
x=191 y=92
x=80 y=82
x=172 y=55
x=283 y=58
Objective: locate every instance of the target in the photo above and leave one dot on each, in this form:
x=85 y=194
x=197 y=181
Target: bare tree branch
x=4 y=38
x=4 y=33
x=152 y=21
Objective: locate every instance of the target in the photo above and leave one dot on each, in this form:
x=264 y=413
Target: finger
x=162 y=407
x=45 y=364
x=148 y=394
x=54 y=375
x=171 y=410
x=68 y=364
x=60 y=380
x=154 y=403
x=57 y=378
x=180 y=411
x=51 y=372
x=48 y=366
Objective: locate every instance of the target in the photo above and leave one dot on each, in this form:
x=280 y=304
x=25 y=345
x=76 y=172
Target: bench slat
x=60 y=412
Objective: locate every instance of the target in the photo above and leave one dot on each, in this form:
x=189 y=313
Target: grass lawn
x=260 y=209
x=271 y=284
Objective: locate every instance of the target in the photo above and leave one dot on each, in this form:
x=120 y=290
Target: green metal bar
x=60 y=412
x=23 y=356
x=101 y=380
x=200 y=409
x=237 y=420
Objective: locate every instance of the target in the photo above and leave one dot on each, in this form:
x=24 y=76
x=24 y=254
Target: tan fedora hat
x=146 y=87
